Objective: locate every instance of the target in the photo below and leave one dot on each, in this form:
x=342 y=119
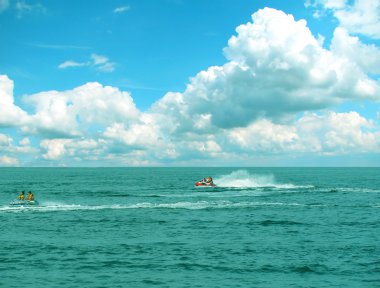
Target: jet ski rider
x=30 y=196
x=208 y=181
x=21 y=196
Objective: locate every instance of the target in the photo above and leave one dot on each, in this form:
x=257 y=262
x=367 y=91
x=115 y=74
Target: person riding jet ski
x=205 y=182
x=21 y=196
x=30 y=196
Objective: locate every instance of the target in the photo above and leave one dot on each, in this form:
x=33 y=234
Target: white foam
x=146 y=205
x=242 y=179
x=358 y=190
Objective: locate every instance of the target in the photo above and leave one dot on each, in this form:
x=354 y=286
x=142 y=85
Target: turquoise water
x=150 y=227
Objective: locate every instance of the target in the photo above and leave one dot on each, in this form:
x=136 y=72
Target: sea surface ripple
x=151 y=227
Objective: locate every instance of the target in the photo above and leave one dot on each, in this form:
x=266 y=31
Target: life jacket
x=30 y=197
x=21 y=197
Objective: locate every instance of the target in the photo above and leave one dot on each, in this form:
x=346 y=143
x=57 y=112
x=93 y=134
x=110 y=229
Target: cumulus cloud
x=269 y=98
x=72 y=113
x=361 y=17
x=276 y=69
x=79 y=149
x=137 y=135
x=10 y=114
x=7 y=145
x=8 y=161
x=95 y=123
x=367 y=57
x=5 y=141
x=82 y=151
x=330 y=134
x=55 y=148
x=99 y=62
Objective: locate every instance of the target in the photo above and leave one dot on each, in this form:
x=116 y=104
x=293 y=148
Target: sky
x=189 y=83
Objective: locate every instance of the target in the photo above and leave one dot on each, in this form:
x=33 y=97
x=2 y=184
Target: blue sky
x=155 y=45
x=175 y=82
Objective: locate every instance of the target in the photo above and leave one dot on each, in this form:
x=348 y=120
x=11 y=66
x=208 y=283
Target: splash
x=242 y=179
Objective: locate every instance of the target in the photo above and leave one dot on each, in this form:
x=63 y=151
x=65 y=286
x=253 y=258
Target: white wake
x=242 y=179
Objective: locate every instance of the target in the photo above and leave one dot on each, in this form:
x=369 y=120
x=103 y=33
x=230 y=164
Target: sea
x=151 y=227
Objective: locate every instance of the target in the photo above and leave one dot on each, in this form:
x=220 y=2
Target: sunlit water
x=150 y=227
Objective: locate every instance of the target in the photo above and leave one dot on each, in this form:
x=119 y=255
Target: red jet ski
x=205 y=182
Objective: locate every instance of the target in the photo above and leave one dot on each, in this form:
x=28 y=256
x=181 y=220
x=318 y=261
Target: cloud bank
x=273 y=96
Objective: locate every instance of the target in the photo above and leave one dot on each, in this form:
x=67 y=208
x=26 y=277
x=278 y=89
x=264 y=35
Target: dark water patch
x=313 y=268
x=316 y=204
x=149 y=196
x=268 y=188
x=371 y=224
x=302 y=269
x=152 y=282
x=121 y=195
x=374 y=281
x=279 y=222
x=267 y=268
x=193 y=266
x=115 y=263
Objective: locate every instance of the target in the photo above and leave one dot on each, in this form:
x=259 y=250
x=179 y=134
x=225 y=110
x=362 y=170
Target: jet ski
x=24 y=203
x=206 y=182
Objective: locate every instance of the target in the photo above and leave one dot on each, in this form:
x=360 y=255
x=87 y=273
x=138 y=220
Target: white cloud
x=102 y=63
x=78 y=149
x=5 y=141
x=8 y=161
x=99 y=59
x=340 y=132
x=276 y=69
x=10 y=114
x=265 y=136
x=262 y=101
x=55 y=148
x=95 y=123
x=7 y=146
x=365 y=56
x=70 y=63
x=71 y=113
x=137 y=135
x=121 y=9
x=361 y=17
x=25 y=142
x=331 y=4
x=23 y=8
x=99 y=62
x=331 y=134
